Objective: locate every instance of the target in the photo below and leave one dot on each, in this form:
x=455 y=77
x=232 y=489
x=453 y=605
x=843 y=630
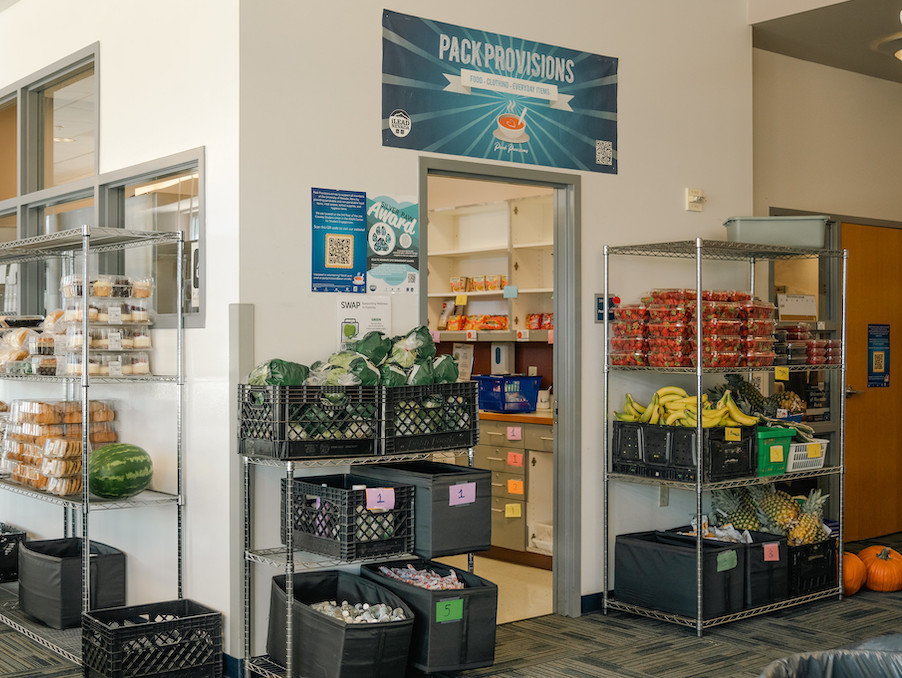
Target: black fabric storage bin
x=766 y=569
x=50 y=580
x=658 y=570
x=453 y=630
x=452 y=511
x=171 y=639
x=327 y=648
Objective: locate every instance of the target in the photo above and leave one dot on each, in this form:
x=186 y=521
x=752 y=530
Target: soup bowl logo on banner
x=462 y=91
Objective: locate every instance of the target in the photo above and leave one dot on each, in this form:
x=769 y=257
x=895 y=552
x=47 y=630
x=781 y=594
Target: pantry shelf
x=723 y=370
x=146 y=498
x=722 y=249
x=726 y=484
x=304 y=560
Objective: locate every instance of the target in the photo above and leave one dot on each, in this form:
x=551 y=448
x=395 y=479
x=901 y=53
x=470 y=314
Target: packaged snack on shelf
x=98 y=432
x=51 y=322
x=17 y=366
x=477 y=283
x=142 y=288
x=19 y=338
x=139 y=363
x=503 y=281
x=548 y=321
x=494 y=322
x=139 y=311
x=60 y=467
x=664 y=358
x=71 y=411
x=35 y=412
x=460 y=284
x=29 y=475
x=492 y=283
x=73 y=367
x=74 y=310
x=71 y=287
x=533 y=321
x=102 y=286
x=41 y=344
x=473 y=322
x=63 y=487
x=456 y=323
x=637 y=358
x=62 y=448
x=17 y=451
x=44 y=365
x=121 y=287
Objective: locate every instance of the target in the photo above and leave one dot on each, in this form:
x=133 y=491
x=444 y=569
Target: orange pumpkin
x=884 y=571
x=869 y=552
x=854 y=573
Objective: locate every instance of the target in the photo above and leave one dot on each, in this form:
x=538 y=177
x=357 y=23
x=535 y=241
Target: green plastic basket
x=773 y=449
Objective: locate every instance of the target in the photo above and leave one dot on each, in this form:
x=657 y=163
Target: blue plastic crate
x=508 y=392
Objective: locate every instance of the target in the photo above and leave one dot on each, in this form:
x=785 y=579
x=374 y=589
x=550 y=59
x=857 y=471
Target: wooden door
x=873 y=501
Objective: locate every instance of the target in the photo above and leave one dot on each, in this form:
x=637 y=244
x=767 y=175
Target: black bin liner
x=50 y=579
x=324 y=647
x=766 y=569
x=443 y=525
x=453 y=630
x=658 y=570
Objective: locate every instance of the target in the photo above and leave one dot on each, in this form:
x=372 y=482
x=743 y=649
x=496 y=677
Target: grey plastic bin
x=795 y=231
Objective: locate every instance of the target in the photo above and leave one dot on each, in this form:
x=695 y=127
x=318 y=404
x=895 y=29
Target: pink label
x=462 y=493
x=515 y=459
x=436 y=336
x=772 y=551
x=514 y=433
x=380 y=498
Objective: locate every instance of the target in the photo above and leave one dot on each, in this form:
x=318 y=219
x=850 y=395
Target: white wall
x=310 y=116
x=826 y=140
x=168 y=83
x=764 y=10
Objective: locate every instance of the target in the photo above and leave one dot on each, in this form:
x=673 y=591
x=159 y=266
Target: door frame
x=566 y=554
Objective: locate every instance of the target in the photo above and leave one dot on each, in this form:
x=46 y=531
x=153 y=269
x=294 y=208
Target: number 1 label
x=462 y=493
x=380 y=498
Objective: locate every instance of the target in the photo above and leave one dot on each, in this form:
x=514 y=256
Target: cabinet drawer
x=509 y=524
x=538 y=437
x=500 y=459
x=496 y=433
x=508 y=485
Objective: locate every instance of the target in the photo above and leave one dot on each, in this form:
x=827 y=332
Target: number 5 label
x=449 y=610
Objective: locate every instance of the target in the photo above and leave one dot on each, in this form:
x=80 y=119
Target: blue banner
x=339 y=241
x=878 y=356
x=462 y=91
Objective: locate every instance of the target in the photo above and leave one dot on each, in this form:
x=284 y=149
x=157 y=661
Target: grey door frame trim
x=568 y=344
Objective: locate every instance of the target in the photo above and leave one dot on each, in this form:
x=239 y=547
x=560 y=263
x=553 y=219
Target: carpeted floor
x=620 y=645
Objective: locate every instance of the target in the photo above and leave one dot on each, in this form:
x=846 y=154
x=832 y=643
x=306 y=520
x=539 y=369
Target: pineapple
x=777 y=507
x=808 y=528
x=737 y=508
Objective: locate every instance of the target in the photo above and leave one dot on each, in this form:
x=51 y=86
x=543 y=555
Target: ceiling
x=857 y=35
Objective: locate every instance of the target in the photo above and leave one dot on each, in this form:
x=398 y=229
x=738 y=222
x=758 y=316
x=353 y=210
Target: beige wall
x=825 y=140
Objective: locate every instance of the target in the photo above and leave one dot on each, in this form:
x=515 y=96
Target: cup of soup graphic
x=510 y=126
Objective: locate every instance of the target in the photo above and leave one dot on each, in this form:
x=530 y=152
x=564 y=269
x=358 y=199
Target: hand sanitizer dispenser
x=502 y=359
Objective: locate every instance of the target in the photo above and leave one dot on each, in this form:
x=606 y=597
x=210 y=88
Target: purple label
x=462 y=493
x=380 y=498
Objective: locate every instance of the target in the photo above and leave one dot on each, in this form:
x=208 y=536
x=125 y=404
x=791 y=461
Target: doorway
x=564 y=339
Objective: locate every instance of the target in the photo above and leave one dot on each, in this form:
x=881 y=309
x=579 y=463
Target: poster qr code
x=339 y=251
x=879 y=363
x=604 y=152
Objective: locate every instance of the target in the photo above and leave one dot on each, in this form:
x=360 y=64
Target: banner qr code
x=339 y=251
x=604 y=152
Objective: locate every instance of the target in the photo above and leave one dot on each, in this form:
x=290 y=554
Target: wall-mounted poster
x=393 y=246
x=339 y=241
x=878 y=355
x=463 y=91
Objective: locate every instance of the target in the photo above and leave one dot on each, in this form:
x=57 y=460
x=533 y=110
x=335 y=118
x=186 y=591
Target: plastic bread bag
x=392 y=375
x=445 y=370
x=374 y=345
x=278 y=373
x=420 y=374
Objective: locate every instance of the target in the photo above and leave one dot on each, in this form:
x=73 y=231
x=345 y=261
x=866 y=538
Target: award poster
x=878 y=356
x=466 y=92
x=339 y=241
x=392 y=246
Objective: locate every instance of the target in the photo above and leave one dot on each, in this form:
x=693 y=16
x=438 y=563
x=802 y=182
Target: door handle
x=851 y=391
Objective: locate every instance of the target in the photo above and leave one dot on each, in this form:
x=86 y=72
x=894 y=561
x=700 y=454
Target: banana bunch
x=672 y=406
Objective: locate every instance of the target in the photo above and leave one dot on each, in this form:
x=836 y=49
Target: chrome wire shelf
x=726 y=484
x=614 y=604
x=265 y=666
x=59 y=379
x=64 y=642
x=70 y=241
x=721 y=249
x=315 y=462
x=304 y=560
x=145 y=498
x=723 y=370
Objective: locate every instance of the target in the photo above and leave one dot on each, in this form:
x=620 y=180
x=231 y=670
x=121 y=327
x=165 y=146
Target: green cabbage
x=374 y=345
x=366 y=373
x=445 y=370
x=392 y=375
x=278 y=373
x=420 y=374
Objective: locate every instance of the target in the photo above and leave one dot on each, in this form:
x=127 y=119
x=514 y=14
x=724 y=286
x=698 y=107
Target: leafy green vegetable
x=344 y=358
x=278 y=373
x=392 y=375
x=374 y=345
x=366 y=373
x=445 y=370
x=420 y=374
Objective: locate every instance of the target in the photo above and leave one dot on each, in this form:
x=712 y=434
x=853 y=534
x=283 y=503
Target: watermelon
x=119 y=470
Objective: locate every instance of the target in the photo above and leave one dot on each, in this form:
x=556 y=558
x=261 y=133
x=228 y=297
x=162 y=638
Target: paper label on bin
x=732 y=433
x=115 y=340
x=449 y=610
x=436 y=335
x=514 y=486
x=727 y=560
x=781 y=373
x=512 y=511
x=460 y=300
x=776 y=454
x=814 y=450
x=771 y=551
x=514 y=433
x=380 y=498
x=115 y=315
x=462 y=493
x=515 y=459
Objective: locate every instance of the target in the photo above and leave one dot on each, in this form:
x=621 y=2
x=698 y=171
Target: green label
x=449 y=610
x=727 y=560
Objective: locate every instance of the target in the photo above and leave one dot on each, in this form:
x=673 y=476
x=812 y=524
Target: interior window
x=67 y=124
x=8 y=149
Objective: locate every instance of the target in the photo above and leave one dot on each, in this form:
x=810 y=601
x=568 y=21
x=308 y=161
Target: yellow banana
x=673 y=418
x=729 y=421
x=629 y=409
x=674 y=406
x=653 y=405
x=737 y=414
x=655 y=415
x=668 y=398
x=668 y=390
x=622 y=416
x=636 y=406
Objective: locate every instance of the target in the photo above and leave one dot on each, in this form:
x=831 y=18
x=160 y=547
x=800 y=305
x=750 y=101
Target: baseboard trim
x=593 y=602
x=232 y=667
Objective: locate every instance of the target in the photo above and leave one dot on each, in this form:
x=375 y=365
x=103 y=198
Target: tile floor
x=523 y=592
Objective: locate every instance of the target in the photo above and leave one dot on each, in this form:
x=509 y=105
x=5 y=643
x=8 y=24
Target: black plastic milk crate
x=626 y=443
x=333 y=519
x=655 y=444
x=812 y=567
x=10 y=538
x=297 y=422
x=174 y=639
x=431 y=417
x=724 y=457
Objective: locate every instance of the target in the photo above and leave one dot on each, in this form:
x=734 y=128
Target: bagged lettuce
x=416 y=345
x=339 y=376
x=278 y=373
x=319 y=372
x=374 y=345
x=392 y=375
x=445 y=370
x=366 y=373
x=420 y=374
x=343 y=358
